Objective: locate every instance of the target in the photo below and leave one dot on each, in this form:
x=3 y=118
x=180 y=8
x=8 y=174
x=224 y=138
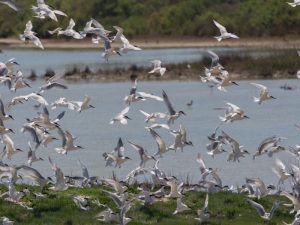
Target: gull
x=11 y=4
x=34 y=175
x=162 y=148
x=157 y=67
x=67 y=142
x=261 y=210
x=69 y=31
x=269 y=144
x=85 y=104
x=32 y=156
x=6 y=221
x=281 y=171
x=30 y=35
x=60 y=184
x=173 y=115
x=180 y=207
x=116 y=185
x=203 y=214
x=237 y=149
x=152 y=116
x=232 y=113
x=121 y=117
x=3 y=115
x=49 y=85
x=295 y=3
x=9 y=148
x=264 y=93
x=42 y=10
x=143 y=154
x=224 y=33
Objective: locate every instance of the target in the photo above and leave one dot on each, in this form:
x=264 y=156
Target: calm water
x=96 y=135
x=64 y=60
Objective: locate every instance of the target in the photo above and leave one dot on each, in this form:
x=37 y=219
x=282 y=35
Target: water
x=96 y=135
x=65 y=60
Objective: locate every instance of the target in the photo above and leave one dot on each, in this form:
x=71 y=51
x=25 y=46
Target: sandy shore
x=165 y=42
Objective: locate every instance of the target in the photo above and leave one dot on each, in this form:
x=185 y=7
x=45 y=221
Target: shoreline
x=163 y=42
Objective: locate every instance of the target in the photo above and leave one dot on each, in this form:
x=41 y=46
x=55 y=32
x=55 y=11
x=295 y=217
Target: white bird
x=83 y=105
x=19 y=82
x=203 y=214
x=63 y=102
x=67 y=142
x=263 y=95
x=10 y=148
x=268 y=145
x=30 y=35
x=143 y=154
x=157 y=67
x=69 y=31
x=152 y=116
x=173 y=115
x=42 y=10
x=116 y=185
x=295 y=3
x=11 y=4
x=60 y=184
x=281 y=171
x=162 y=148
x=50 y=84
x=232 y=113
x=121 y=117
x=224 y=33
x=180 y=206
x=158 y=125
x=6 y=221
x=261 y=210
x=127 y=46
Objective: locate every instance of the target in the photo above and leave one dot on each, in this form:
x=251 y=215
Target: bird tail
x=218 y=38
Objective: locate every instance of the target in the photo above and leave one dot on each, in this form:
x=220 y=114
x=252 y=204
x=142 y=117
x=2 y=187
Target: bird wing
x=119 y=32
x=11 y=4
x=259 y=86
x=159 y=141
x=214 y=58
x=220 y=27
x=149 y=95
x=139 y=148
x=28 y=27
x=156 y=63
x=124 y=111
x=259 y=208
x=168 y=103
x=120 y=148
x=63 y=136
x=2 y=107
x=37 y=42
x=201 y=163
x=71 y=24
x=144 y=113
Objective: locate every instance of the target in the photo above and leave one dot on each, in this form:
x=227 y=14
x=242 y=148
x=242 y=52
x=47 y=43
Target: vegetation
x=58 y=208
x=164 y=17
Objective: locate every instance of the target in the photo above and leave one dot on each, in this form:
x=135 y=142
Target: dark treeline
x=163 y=17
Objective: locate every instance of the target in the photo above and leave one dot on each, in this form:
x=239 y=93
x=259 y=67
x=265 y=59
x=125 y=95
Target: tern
x=19 y=82
x=30 y=35
x=261 y=210
x=83 y=105
x=60 y=184
x=9 y=148
x=32 y=156
x=180 y=206
x=224 y=33
x=281 y=171
x=34 y=175
x=175 y=188
x=67 y=142
x=232 y=113
x=3 y=115
x=263 y=95
x=6 y=221
x=116 y=185
x=203 y=214
x=121 y=117
x=268 y=145
x=69 y=31
x=11 y=4
x=143 y=154
x=45 y=122
x=4 y=130
x=162 y=148
x=173 y=115
x=157 y=67
x=42 y=10
x=6 y=68
x=152 y=116
x=49 y=85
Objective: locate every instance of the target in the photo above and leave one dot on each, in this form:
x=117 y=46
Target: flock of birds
x=41 y=130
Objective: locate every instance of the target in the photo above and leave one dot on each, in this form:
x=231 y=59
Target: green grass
x=58 y=208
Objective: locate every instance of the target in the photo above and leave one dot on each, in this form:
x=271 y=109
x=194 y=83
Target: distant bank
x=165 y=42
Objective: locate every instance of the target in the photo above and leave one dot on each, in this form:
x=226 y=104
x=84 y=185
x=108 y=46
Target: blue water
x=96 y=135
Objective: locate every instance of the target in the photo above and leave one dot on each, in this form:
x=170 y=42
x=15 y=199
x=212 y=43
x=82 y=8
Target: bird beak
x=234 y=83
x=273 y=97
x=10 y=116
x=247 y=117
x=11 y=131
x=91 y=106
x=118 y=53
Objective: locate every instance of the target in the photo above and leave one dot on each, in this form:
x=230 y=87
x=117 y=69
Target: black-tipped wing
x=168 y=103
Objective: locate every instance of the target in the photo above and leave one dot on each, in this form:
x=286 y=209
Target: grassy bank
x=58 y=208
